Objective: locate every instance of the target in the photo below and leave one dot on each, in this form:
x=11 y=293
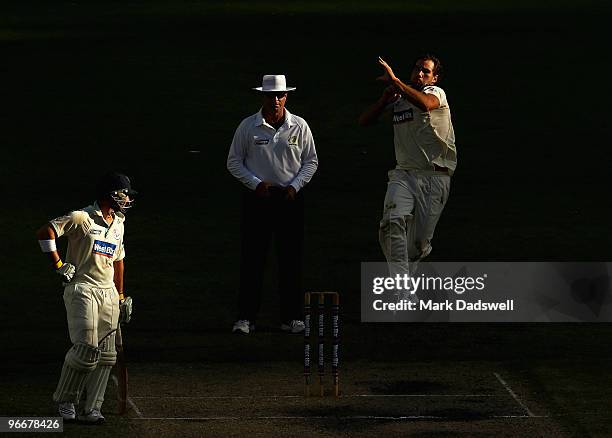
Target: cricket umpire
x=92 y=274
x=426 y=156
x=273 y=155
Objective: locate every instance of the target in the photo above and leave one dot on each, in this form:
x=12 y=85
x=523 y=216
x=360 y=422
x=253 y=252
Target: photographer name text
x=444 y=306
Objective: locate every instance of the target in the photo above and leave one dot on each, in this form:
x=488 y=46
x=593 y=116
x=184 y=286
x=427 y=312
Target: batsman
x=92 y=276
x=426 y=156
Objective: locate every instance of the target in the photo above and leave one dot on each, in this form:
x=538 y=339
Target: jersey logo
x=261 y=141
x=95 y=232
x=293 y=140
x=105 y=249
x=403 y=116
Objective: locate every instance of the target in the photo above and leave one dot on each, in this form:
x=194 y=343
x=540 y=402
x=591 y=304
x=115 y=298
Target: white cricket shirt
x=93 y=245
x=423 y=138
x=284 y=157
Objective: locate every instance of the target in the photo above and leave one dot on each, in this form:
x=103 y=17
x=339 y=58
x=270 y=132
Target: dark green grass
x=90 y=87
x=17 y=14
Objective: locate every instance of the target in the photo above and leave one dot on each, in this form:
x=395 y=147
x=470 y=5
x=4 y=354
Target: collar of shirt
x=260 y=121
x=98 y=211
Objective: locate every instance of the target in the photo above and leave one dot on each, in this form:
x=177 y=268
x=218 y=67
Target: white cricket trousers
x=412 y=208
x=92 y=312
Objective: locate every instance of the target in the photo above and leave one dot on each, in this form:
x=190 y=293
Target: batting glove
x=66 y=271
x=125 y=310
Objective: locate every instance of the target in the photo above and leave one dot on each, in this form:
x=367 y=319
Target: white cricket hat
x=274 y=83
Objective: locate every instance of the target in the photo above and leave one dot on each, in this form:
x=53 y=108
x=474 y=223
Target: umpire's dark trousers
x=262 y=220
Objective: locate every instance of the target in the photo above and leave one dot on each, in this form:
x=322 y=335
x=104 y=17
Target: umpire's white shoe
x=295 y=326
x=243 y=326
x=67 y=411
x=92 y=417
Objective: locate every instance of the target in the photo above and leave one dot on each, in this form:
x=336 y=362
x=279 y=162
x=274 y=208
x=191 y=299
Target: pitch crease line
x=514 y=396
x=295 y=417
x=129 y=399
x=247 y=397
x=342 y=418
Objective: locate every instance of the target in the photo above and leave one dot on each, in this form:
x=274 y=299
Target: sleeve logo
x=105 y=249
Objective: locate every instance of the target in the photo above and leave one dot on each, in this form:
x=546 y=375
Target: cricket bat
x=122 y=374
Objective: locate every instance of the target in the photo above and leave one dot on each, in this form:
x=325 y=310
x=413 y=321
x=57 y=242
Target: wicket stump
x=335 y=338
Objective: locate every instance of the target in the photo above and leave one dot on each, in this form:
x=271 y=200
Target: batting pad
x=107 y=359
x=80 y=361
x=108 y=354
x=96 y=381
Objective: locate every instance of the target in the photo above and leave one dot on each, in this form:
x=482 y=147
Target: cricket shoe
x=92 y=417
x=67 y=411
x=295 y=326
x=243 y=326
